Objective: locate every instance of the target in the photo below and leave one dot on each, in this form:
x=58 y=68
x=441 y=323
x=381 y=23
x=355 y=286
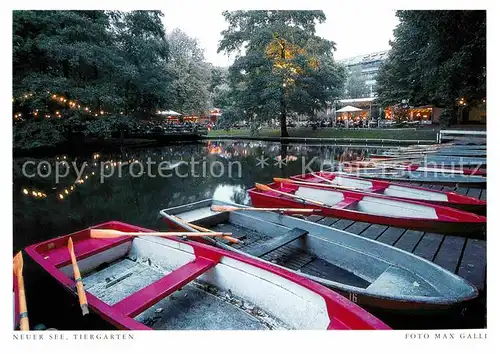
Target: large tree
x=189 y=88
x=437 y=57
x=108 y=61
x=355 y=86
x=282 y=66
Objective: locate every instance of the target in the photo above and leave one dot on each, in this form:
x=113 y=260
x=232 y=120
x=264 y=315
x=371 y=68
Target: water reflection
x=45 y=207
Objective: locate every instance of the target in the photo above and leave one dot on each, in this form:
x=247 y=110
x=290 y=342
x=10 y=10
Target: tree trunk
x=284 y=132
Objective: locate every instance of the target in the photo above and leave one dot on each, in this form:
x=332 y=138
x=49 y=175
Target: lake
x=51 y=199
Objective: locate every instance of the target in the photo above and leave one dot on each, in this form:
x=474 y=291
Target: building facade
x=367 y=67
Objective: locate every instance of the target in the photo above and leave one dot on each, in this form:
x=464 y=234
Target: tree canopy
x=89 y=70
x=282 y=66
x=355 y=86
x=437 y=57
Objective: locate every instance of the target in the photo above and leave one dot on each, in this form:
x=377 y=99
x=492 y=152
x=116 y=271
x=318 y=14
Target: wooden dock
x=463 y=256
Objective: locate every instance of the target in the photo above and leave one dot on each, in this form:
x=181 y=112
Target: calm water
x=45 y=208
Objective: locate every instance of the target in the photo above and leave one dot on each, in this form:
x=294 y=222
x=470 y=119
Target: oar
x=265 y=188
x=78 y=279
x=322 y=178
x=223 y=208
x=330 y=184
x=108 y=233
x=24 y=324
x=202 y=229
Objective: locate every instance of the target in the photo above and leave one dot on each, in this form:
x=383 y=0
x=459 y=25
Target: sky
x=355 y=32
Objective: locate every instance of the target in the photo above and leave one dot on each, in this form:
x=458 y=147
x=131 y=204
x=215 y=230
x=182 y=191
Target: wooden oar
x=202 y=229
x=330 y=184
x=223 y=208
x=265 y=188
x=24 y=324
x=108 y=233
x=78 y=279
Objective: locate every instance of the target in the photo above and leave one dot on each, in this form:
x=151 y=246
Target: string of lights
x=61 y=100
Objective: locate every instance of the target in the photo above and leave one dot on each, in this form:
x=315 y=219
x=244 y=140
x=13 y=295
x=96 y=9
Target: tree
x=189 y=88
x=355 y=86
x=220 y=89
x=285 y=67
x=437 y=57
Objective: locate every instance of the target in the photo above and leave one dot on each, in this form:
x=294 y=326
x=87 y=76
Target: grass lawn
x=419 y=134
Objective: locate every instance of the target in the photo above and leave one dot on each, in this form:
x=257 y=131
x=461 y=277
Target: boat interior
x=391 y=190
x=163 y=284
x=368 y=204
x=332 y=257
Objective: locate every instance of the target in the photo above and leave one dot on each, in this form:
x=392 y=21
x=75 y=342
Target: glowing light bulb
x=34 y=193
x=61 y=196
x=66 y=191
x=25 y=191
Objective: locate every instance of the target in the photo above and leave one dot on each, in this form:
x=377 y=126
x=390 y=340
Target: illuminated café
x=424 y=114
x=210 y=117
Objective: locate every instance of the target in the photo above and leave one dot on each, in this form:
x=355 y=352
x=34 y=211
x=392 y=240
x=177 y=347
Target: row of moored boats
x=222 y=265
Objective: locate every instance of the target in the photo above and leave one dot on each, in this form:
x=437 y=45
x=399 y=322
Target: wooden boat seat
x=276 y=242
x=151 y=294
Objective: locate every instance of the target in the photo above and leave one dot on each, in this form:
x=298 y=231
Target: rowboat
x=473 y=153
x=447 y=179
x=351 y=166
x=370 y=273
x=376 y=209
x=450 y=199
x=456 y=161
x=150 y=282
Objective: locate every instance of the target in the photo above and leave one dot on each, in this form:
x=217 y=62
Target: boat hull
x=456 y=224
x=357 y=254
x=190 y=260
x=447 y=199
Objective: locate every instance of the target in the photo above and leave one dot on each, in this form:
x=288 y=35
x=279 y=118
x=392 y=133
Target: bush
x=446 y=117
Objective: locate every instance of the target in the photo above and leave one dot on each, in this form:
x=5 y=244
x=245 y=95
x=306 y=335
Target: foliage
x=446 y=117
x=285 y=67
x=110 y=61
x=436 y=58
x=39 y=133
x=355 y=86
x=191 y=75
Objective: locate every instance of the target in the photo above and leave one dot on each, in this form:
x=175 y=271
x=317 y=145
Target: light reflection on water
x=44 y=208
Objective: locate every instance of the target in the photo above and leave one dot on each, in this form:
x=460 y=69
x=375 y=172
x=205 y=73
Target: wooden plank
x=276 y=242
x=436 y=187
x=146 y=297
x=448 y=189
x=448 y=255
x=473 y=265
x=483 y=195
x=327 y=221
x=409 y=240
x=391 y=235
x=342 y=224
x=314 y=218
x=462 y=190
x=474 y=192
x=428 y=246
x=374 y=231
x=358 y=227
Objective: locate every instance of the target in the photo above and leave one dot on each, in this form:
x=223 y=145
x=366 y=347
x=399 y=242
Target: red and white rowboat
x=389 y=189
x=149 y=282
x=369 y=208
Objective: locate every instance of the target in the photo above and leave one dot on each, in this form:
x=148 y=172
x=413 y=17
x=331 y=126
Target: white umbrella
x=348 y=109
x=170 y=113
